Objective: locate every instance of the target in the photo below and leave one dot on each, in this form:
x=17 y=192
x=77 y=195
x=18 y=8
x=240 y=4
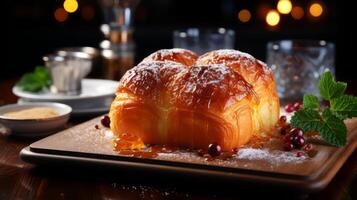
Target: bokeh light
x=316 y=10
x=60 y=15
x=284 y=6
x=297 y=12
x=87 y=12
x=70 y=5
x=244 y=15
x=272 y=18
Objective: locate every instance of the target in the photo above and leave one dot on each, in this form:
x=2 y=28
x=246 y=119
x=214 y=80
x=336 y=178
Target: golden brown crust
x=168 y=99
x=183 y=56
x=149 y=80
x=255 y=73
x=168 y=103
x=249 y=67
x=209 y=87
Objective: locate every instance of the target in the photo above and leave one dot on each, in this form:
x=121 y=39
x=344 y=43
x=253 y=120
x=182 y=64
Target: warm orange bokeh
x=60 y=15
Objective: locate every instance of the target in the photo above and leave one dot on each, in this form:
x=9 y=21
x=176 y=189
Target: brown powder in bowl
x=32 y=113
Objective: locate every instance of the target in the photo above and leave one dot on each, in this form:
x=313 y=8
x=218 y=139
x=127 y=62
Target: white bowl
x=35 y=127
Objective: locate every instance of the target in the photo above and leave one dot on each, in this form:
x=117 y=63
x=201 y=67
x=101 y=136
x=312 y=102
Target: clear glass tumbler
x=201 y=41
x=298 y=64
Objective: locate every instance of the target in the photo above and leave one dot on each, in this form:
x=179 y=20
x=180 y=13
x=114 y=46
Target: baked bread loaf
x=174 y=98
x=169 y=103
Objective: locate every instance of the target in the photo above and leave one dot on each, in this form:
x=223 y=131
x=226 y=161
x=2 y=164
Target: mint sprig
x=310 y=102
x=328 y=121
x=35 y=81
x=329 y=88
x=344 y=106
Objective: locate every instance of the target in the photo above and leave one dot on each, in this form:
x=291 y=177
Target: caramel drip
x=131 y=145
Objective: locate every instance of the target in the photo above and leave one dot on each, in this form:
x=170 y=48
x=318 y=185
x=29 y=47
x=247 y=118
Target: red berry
x=308 y=147
x=288 y=146
x=235 y=150
x=298 y=141
x=297 y=105
x=289 y=108
x=299 y=154
x=105 y=121
x=282 y=118
x=282 y=121
x=96 y=126
x=296 y=132
x=214 y=150
x=283 y=131
x=287 y=138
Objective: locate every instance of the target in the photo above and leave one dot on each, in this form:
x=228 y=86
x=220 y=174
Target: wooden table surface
x=19 y=180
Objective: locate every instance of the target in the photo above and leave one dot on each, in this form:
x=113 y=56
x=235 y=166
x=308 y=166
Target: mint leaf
x=35 y=81
x=333 y=130
x=307 y=120
x=329 y=88
x=310 y=101
x=30 y=83
x=329 y=123
x=344 y=106
x=42 y=75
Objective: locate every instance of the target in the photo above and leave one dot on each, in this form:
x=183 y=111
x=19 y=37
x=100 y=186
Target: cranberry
x=285 y=130
x=105 y=121
x=235 y=150
x=288 y=146
x=96 y=126
x=299 y=154
x=289 y=108
x=282 y=121
x=308 y=147
x=214 y=150
x=296 y=132
x=287 y=138
x=298 y=141
x=297 y=106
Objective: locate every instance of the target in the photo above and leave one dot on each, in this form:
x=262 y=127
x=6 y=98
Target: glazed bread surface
x=173 y=97
x=164 y=102
x=256 y=73
x=183 y=56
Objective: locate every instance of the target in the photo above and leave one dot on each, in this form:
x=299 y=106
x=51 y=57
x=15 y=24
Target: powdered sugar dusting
x=233 y=53
x=245 y=155
x=271 y=156
x=208 y=87
x=183 y=56
x=148 y=78
x=176 y=50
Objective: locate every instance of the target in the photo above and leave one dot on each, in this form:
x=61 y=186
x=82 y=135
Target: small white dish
x=35 y=127
x=82 y=108
x=91 y=89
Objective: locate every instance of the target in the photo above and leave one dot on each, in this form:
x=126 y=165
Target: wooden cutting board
x=85 y=145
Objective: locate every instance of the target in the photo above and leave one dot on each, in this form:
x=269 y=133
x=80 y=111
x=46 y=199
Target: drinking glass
x=298 y=65
x=201 y=41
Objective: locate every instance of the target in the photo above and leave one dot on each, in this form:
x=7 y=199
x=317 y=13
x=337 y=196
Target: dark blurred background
x=38 y=27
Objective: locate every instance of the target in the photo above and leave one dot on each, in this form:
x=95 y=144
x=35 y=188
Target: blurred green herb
x=35 y=81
